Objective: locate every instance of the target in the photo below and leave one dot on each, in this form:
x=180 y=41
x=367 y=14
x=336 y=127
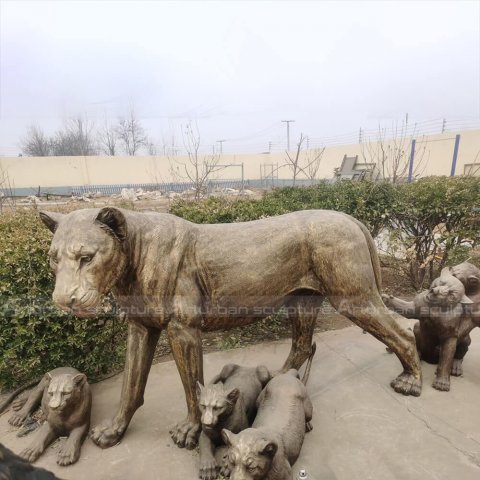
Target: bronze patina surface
x=269 y=449
x=170 y=274
x=445 y=321
x=66 y=401
x=228 y=401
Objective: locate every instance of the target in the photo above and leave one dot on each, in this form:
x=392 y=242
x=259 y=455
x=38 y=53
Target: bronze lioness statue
x=168 y=273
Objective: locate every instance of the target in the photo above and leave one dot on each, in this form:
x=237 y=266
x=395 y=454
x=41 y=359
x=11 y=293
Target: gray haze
x=238 y=68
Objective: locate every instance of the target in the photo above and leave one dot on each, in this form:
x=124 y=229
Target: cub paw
x=67 y=455
x=442 y=384
x=457 y=368
x=17 y=419
x=30 y=454
x=208 y=469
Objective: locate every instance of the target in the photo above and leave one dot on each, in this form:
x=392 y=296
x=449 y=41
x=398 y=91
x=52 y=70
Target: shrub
x=35 y=336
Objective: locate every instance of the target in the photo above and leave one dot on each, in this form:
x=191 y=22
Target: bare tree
x=391 y=150
x=107 y=139
x=131 y=133
x=197 y=168
x=36 y=143
x=76 y=138
x=294 y=163
x=7 y=197
x=151 y=148
x=307 y=163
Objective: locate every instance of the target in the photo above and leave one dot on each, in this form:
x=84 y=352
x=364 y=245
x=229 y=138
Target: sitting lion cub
x=228 y=401
x=441 y=334
x=66 y=402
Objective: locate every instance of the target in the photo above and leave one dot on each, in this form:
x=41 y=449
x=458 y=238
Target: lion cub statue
x=66 y=401
x=444 y=314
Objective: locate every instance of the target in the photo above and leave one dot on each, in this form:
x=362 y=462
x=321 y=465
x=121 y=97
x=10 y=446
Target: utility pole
x=221 y=145
x=444 y=124
x=360 y=135
x=288 y=132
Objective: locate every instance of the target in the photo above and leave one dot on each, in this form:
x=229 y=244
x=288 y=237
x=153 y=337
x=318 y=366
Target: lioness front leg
x=140 y=349
x=186 y=345
x=447 y=351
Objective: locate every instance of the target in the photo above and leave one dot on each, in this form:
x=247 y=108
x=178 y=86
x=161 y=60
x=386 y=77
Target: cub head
x=87 y=255
x=250 y=454
x=65 y=390
x=447 y=290
x=215 y=404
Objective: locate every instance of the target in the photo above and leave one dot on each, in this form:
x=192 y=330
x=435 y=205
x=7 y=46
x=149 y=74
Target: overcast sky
x=238 y=68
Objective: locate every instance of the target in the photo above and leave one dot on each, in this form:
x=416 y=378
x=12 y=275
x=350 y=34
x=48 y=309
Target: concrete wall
x=31 y=172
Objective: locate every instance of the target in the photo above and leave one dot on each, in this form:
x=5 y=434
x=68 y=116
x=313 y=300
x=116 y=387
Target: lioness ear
x=269 y=449
x=79 y=379
x=113 y=222
x=228 y=437
x=465 y=300
x=233 y=395
x=51 y=219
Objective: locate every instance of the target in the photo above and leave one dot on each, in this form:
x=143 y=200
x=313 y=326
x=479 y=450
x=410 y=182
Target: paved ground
x=362 y=429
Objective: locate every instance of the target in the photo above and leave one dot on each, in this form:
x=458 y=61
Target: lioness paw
x=185 y=434
x=107 y=435
x=407 y=384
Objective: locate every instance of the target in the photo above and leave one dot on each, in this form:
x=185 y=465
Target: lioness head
x=87 y=255
x=250 y=454
x=65 y=390
x=215 y=403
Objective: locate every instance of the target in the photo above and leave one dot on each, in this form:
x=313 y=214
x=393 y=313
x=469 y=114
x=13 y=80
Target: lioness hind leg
x=302 y=311
x=372 y=315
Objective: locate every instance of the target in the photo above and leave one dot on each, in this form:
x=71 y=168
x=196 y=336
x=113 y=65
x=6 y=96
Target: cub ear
x=465 y=300
x=51 y=219
x=228 y=437
x=47 y=377
x=199 y=389
x=446 y=272
x=269 y=449
x=113 y=222
x=233 y=395
x=80 y=379
x=263 y=374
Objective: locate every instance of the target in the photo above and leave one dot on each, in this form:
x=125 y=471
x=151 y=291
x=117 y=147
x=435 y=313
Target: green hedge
x=35 y=336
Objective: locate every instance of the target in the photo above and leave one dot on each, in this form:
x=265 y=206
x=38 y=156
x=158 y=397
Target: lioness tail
x=309 y=363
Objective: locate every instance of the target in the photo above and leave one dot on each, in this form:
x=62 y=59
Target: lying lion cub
x=269 y=449
x=66 y=403
x=228 y=401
